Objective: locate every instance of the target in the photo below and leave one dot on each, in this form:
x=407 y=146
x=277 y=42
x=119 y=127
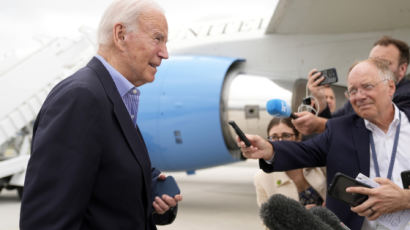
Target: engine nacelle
x=183 y=114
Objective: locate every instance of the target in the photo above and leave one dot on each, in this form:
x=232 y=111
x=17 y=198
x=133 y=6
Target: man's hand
x=317 y=90
x=260 y=148
x=384 y=199
x=307 y=123
x=164 y=203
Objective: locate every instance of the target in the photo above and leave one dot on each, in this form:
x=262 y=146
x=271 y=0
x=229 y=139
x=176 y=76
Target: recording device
x=281 y=212
x=239 y=132
x=307 y=105
x=307 y=101
x=168 y=186
x=328 y=217
x=330 y=76
x=279 y=108
x=338 y=187
x=405 y=178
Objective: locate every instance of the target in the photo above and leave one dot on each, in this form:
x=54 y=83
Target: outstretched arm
x=259 y=149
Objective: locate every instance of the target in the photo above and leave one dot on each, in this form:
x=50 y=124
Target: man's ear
x=403 y=69
x=119 y=32
x=392 y=88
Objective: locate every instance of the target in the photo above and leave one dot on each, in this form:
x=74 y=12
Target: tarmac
x=216 y=198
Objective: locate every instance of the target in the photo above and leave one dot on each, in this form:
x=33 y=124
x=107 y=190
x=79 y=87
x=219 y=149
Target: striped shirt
x=128 y=92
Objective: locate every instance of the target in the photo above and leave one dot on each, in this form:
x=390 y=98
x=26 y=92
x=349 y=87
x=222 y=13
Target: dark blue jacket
x=342 y=147
x=89 y=166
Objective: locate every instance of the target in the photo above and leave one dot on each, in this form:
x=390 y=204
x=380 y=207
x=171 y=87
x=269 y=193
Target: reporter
x=344 y=146
x=395 y=52
x=324 y=94
x=307 y=185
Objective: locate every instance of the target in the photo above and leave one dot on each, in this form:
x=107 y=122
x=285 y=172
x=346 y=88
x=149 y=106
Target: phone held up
x=330 y=76
x=338 y=187
x=239 y=132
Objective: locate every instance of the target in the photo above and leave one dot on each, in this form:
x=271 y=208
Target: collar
x=372 y=127
x=122 y=84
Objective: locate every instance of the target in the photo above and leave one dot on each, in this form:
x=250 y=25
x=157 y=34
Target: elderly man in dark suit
x=394 y=51
x=345 y=146
x=89 y=167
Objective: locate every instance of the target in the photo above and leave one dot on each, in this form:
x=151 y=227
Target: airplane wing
x=332 y=16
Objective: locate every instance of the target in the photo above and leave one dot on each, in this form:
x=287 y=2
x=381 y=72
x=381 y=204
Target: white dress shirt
x=384 y=145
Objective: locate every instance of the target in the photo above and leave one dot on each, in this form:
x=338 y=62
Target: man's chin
x=366 y=107
x=366 y=114
x=150 y=78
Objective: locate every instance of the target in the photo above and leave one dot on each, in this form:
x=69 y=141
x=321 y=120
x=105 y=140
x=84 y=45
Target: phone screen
x=338 y=190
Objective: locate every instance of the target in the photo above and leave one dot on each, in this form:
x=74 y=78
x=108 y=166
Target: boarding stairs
x=23 y=88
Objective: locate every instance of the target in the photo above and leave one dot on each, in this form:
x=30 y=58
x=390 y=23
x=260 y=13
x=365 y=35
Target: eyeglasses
x=364 y=88
x=283 y=136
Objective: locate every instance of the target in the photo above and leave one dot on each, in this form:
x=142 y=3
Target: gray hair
x=382 y=67
x=123 y=11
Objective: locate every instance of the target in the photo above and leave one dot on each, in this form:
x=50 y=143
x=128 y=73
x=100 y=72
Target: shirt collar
x=122 y=84
x=370 y=126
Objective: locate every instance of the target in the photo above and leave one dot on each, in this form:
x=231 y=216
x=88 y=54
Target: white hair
x=382 y=66
x=383 y=69
x=123 y=11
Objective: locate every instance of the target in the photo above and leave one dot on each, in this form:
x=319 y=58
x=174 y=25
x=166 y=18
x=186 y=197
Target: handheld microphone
x=281 y=212
x=328 y=217
x=279 y=108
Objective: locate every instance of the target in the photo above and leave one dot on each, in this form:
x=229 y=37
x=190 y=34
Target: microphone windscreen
x=278 y=108
x=328 y=217
x=281 y=212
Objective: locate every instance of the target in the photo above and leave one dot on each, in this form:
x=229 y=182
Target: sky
x=26 y=24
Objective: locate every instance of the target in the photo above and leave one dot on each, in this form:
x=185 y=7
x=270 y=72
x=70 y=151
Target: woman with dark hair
x=307 y=185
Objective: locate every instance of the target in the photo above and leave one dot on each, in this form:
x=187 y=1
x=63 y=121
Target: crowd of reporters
x=367 y=135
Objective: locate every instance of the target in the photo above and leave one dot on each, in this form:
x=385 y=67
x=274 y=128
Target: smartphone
x=239 y=132
x=168 y=186
x=330 y=76
x=405 y=178
x=338 y=187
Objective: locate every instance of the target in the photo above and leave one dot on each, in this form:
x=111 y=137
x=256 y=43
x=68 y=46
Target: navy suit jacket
x=89 y=167
x=342 y=147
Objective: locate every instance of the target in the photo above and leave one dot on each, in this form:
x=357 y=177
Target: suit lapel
x=132 y=135
x=361 y=141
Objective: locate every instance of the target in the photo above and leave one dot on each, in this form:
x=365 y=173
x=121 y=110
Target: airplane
x=216 y=73
x=196 y=92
